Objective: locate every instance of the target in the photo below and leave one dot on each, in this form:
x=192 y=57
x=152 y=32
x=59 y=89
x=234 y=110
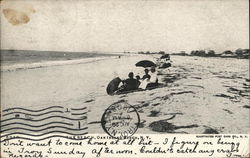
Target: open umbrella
x=113 y=85
x=145 y=63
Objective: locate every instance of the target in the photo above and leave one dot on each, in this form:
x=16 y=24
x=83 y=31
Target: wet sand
x=201 y=95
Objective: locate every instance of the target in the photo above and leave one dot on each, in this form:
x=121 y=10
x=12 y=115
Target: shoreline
x=12 y=60
x=43 y=64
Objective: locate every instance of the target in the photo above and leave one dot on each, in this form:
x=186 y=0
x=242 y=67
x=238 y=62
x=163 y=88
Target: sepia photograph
x=75 y=68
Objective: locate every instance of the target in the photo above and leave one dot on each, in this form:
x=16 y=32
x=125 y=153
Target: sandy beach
x=74 y=82
x=201 y=95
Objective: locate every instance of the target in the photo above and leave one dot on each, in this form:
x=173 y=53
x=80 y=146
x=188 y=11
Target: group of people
x=148 y=80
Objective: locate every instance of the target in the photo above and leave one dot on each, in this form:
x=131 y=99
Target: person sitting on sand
x=130 y=83
x=138 y=80
x=146 y=76
x=153 y=79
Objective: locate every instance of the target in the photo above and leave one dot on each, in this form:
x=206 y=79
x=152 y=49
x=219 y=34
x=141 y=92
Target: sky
x=128 y=25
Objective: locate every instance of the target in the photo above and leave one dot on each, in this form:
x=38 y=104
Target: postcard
x=131 y=78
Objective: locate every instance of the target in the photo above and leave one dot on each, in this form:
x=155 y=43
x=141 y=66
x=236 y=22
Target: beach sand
x=201 y=95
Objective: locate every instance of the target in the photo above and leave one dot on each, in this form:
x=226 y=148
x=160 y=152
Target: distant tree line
x=239 y=53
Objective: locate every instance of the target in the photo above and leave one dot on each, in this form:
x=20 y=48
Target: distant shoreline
x=10 y=57
x=14 y=60
x=43 y=64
